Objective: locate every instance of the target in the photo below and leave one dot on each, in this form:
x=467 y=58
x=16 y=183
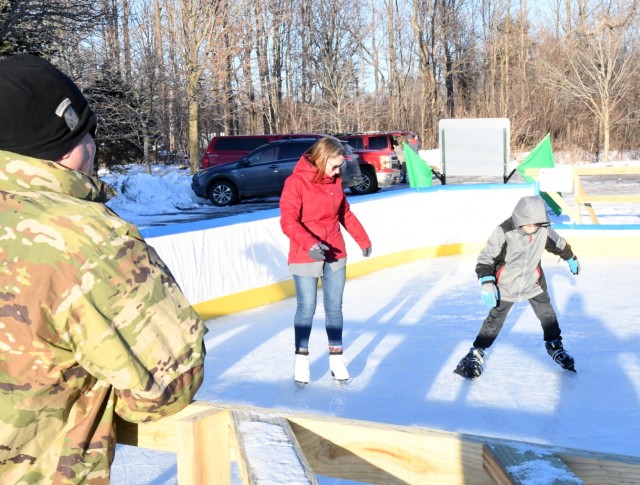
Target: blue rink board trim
x=597 y=227
x=168 y=230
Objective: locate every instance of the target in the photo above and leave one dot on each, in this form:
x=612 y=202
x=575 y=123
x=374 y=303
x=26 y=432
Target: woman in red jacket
x=312 y=209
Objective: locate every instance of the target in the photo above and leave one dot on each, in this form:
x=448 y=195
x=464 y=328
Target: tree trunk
x=393 y=75
x=126 y=41
x=192 y=99
x=163 y=105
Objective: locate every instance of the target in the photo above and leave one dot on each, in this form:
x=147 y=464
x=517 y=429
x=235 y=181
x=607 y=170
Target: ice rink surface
x=406 y=327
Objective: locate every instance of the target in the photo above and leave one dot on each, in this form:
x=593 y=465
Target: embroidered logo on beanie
x=65 y=110
x=44 y=114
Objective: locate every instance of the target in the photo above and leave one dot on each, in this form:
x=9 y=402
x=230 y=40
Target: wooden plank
x=621 y=198
x=602 y=469
x=374 y=453
x=557 y=198
x=592 y=213
x=508 y=465
x=391 y=454
x=268 y=450
x=607 y=170
x=203 y=448
x=157 y=435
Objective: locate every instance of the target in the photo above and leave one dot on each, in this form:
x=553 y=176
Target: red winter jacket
x=312 y=213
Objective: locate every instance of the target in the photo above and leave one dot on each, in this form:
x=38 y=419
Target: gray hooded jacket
x=513 y=257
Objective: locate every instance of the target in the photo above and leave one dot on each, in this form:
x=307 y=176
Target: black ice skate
x=559 y=355
x=471 y=364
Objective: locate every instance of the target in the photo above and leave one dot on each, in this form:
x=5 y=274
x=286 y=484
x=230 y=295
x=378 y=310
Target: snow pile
x=166 y=190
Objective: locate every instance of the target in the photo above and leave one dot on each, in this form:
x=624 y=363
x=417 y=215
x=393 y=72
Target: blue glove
x=489 y=291
x=317 y=251
x=366 y=252
x=574 y=265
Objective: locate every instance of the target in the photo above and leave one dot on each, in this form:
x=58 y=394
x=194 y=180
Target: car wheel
x=223 y=193
x=369 y=183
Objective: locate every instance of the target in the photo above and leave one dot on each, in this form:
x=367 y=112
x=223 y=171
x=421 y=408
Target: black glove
x=366 y=252
x=317 y=251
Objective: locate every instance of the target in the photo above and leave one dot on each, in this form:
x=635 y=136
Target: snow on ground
x=406 y=328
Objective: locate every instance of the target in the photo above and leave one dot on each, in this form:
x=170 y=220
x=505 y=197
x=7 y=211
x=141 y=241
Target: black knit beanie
x=43 y=114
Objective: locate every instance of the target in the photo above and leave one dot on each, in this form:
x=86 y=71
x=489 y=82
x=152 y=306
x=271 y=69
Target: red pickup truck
x=379 y=163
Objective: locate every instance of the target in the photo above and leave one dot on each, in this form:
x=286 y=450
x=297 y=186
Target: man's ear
x=63 y=157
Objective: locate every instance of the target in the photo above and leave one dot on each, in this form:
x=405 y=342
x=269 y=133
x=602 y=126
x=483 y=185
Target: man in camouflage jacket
x=92 y=323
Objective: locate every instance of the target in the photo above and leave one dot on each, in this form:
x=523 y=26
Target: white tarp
x=212 y=262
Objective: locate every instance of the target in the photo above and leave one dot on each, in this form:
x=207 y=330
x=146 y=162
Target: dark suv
x=225 y=149
x=261 y=173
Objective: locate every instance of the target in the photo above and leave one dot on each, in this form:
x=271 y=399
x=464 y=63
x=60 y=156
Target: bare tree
x=595 y=64
x=200 y=30
x=335 y=47
x=45 y=26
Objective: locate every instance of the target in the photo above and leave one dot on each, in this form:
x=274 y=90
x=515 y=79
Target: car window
x=293 y=150
x=264 y=156
x=235 y=144
x=377 y=142
x=356 y=143
x=348 y=149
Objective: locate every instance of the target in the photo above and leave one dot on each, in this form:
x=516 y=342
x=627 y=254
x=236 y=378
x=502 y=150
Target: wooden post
x=254 y=435
x=203 y=452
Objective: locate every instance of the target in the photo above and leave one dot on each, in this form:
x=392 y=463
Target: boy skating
x=509 y=270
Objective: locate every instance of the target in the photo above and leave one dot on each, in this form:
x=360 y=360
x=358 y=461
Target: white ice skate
x=301 y=371
x=338 y=369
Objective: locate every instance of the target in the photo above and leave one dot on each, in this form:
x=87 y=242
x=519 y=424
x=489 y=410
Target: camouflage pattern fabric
x=92 y=323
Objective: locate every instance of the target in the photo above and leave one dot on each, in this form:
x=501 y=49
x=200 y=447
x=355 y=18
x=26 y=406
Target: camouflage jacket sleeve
x=129 y=324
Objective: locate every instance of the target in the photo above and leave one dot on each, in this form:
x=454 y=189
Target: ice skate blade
x=339 y=381
x=464 y=374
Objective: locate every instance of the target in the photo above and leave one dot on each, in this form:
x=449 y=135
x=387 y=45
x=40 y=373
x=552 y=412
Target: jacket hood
x=309 y=170
x=304 y=165
x=530 y=210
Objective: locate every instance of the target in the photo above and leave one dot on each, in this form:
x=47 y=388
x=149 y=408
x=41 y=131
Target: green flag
x=540 y=157
x=418 y=170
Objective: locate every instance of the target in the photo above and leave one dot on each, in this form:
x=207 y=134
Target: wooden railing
x=208 y=437
x=581 y=198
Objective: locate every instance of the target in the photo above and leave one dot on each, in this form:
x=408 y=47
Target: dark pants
x=492 y=325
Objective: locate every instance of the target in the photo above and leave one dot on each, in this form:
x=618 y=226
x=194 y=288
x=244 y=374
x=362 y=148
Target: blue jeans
x=307 y=293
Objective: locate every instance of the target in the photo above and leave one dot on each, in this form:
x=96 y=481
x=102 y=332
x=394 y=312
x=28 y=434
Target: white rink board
x=211 y=260
x=475 y=146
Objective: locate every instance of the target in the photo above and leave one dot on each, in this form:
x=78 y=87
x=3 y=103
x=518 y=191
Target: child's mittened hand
x=574 y=265
x=489 y=291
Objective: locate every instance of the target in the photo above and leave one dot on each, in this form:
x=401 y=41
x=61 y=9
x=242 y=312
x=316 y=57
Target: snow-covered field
x=405 y=329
